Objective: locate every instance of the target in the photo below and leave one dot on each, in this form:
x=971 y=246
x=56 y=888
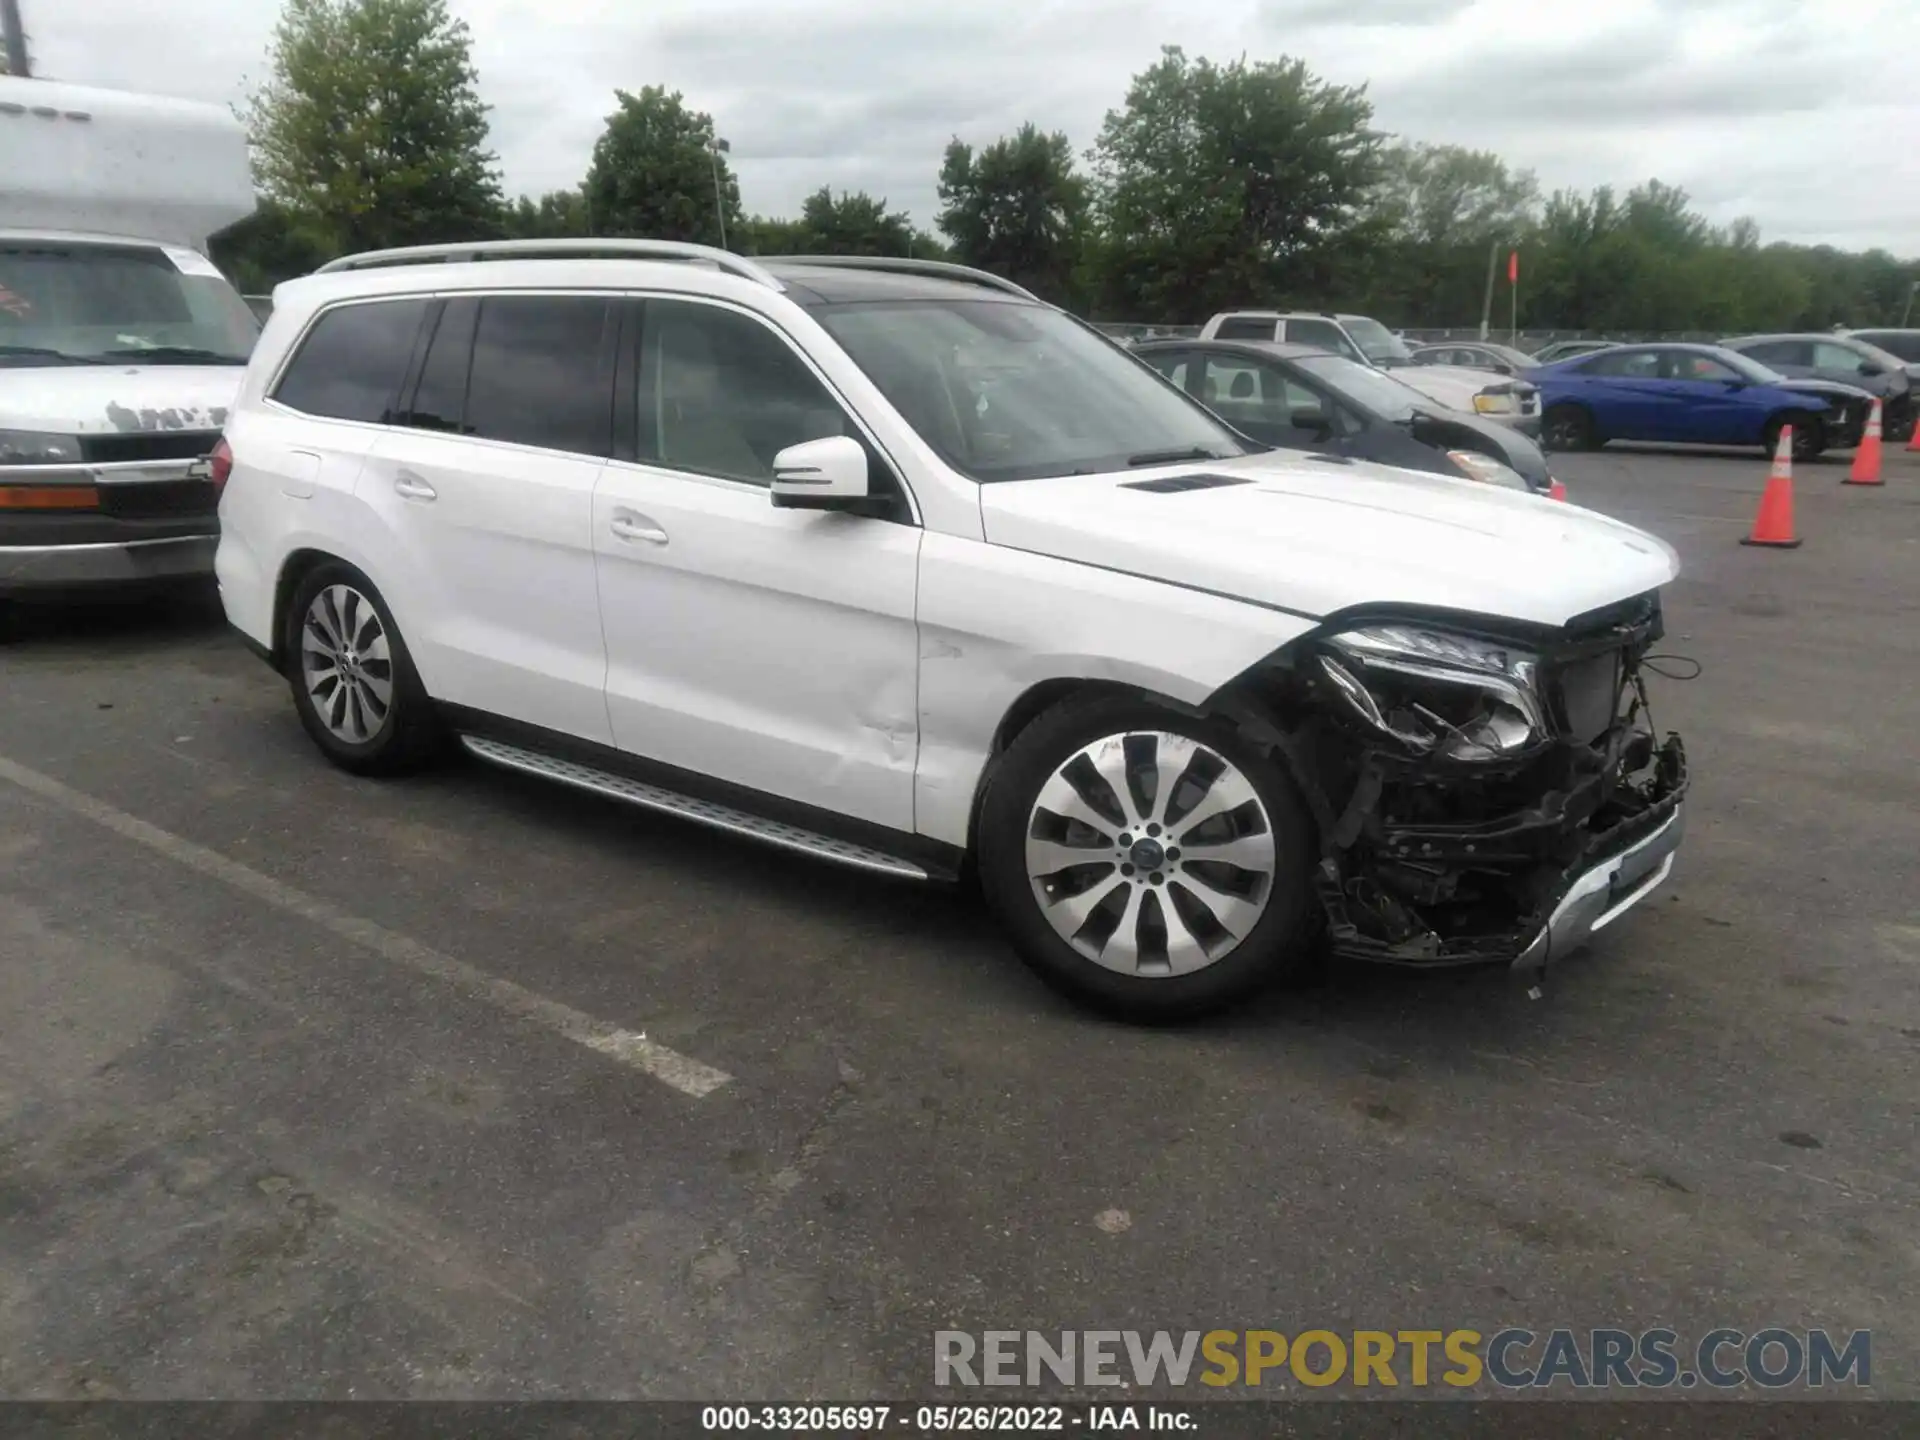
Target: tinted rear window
x=352 y=362
x=541 y=373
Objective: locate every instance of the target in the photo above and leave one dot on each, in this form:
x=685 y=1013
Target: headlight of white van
x=1453 y=696
x=38 y=447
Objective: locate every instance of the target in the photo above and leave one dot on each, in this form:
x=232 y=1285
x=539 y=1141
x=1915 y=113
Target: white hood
x=117 y=399
x=1314 y=537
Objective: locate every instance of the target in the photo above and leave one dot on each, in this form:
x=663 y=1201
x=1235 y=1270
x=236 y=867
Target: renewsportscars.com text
x=1514 y=1359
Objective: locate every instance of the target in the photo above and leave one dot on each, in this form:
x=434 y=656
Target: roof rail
x=901 y=264
x=557 y=249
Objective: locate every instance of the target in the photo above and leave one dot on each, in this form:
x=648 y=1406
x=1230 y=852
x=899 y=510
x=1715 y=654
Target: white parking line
x=626 y=1046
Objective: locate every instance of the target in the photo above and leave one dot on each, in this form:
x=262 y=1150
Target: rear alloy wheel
x=1809 y=434
x=1147 y=862
x=1567 y=427
x=353 y=681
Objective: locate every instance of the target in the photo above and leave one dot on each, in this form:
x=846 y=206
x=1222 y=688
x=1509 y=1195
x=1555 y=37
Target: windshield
x=1015 y=392
x=1376 y=342
x=1372 y=390
x=76 y=304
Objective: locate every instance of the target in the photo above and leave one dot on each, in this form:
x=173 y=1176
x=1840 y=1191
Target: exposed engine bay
x=1464 y=773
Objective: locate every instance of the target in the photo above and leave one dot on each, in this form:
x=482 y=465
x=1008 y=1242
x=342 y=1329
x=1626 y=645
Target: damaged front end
x=1487 y=794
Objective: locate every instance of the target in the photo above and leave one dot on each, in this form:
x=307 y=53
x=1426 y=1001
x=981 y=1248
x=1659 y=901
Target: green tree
x=1442 y=208
x=1018 y=209
x=372 y=126
x=853 y=223
x=656 y=170
x=557 y=215
x=1228 y=185
x=270 y=245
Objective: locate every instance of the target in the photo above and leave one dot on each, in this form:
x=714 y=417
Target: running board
x=706 y=812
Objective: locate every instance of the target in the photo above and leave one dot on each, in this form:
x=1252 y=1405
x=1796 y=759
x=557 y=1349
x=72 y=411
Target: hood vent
x=1174 y=484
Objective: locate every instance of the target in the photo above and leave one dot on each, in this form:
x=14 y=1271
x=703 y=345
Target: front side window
x=77 y=303
x=1005 y=390
x=1322 y=334
x=1376 y=342
x=1828 y=356
x=352 y=362
x=721 y=394
x=542 y=373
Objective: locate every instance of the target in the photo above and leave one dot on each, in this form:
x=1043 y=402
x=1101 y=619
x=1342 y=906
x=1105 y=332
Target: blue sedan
x=1687 y=394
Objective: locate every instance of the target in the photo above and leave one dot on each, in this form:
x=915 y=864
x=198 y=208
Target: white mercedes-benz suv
x=892 y=564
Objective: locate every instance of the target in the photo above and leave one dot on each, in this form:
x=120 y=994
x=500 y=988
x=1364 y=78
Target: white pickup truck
x=121 y=345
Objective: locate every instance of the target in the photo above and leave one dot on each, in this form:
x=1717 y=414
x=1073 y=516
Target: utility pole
x=14 y=33
x=715 y=147
x=1907 y=318
x=1486 y=310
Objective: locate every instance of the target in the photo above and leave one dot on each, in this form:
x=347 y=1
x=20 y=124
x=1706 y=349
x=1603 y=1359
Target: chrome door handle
x=629 y=526
x=410 y=486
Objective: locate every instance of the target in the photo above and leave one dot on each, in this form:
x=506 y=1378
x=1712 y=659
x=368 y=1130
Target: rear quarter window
x=351 y=364
x=1246 y=327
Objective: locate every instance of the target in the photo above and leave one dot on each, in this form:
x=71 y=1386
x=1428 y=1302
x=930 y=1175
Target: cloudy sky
x=1804 y=114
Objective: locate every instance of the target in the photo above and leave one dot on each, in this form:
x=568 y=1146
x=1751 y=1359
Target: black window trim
x=627 y=410
x=271 y=394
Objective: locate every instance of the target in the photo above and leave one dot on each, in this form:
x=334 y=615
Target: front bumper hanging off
x=1605 y=891
x=1615 y=865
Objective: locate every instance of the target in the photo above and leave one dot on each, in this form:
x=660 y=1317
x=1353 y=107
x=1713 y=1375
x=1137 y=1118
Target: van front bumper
x=32 y=569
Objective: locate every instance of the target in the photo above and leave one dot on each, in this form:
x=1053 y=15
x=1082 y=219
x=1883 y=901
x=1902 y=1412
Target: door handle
x=629 y=526
x=410 y=486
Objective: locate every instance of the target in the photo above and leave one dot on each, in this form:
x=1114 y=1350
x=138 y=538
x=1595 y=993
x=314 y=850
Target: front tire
x=353 y=681
x=1567 y=427
x=1149 y=863
x=1809 y=434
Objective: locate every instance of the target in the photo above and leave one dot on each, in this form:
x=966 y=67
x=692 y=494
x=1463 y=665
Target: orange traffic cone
x=1556 y=490
x=1866 y=459
x=1773 y=525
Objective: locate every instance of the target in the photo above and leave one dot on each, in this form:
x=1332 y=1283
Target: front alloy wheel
x=1146 y=860
x=1150 y=854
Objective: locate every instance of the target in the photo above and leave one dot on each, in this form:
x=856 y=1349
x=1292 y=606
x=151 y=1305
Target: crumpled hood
x=1315 y=536
x=117 y=399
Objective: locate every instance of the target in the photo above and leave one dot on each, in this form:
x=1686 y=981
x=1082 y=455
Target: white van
x=121 y=345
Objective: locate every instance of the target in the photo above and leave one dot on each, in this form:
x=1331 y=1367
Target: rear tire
x=353 y=681
x=1164 y=926
x=1568 y=427
x=1809 y=433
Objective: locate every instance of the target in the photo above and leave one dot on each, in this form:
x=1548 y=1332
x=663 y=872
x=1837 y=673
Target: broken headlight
x=1438 y=693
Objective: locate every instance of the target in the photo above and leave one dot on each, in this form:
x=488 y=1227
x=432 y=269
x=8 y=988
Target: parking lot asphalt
x=321 y=1087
